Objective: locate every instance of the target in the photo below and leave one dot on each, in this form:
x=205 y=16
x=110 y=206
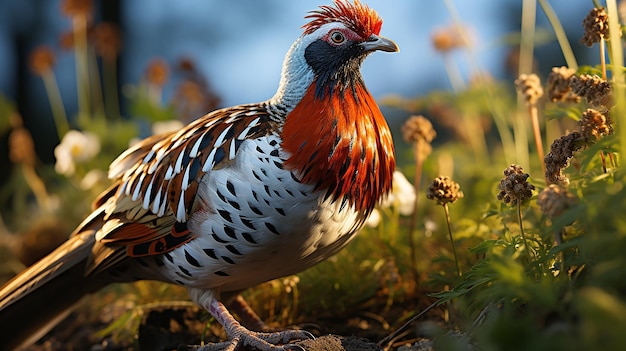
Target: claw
x=308 y=335
x=294 y=347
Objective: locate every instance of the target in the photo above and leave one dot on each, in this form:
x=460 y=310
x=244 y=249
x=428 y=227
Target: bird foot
x=244 y=338
x=241 y=337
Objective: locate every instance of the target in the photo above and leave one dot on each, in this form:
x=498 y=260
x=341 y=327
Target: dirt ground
x=173 y=328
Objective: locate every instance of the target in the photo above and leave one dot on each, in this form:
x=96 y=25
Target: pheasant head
x=334 y=133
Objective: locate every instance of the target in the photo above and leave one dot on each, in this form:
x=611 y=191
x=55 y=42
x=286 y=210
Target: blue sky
x=240 y=44
x=243 y=56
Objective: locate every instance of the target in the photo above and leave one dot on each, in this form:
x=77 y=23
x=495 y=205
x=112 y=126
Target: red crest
x=356 y=16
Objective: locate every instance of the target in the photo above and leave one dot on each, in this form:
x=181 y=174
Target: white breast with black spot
x=255 y=222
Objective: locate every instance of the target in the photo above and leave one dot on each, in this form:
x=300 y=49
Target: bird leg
x=240 y=336
x=246 y=314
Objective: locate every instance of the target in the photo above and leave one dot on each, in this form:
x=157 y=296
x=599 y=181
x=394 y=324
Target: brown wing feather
x=157 y=179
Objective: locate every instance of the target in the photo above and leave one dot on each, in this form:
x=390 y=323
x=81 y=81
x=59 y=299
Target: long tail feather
x=38 y=298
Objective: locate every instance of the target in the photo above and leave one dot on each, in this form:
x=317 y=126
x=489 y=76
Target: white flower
x=76 y=147
x=374 y=219
x=166 y=126
x=402 y=195
x=92 y=178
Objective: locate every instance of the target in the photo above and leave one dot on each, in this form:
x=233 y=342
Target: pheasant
x=238 y=197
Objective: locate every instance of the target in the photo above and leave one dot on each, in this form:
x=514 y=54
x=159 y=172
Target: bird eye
x=337 y=37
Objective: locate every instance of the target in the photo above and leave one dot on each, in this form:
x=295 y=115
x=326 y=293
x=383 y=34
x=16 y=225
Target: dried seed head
x=554 y=200
x=66 y=40
x=594 y=89
x=157 y=72
x=444 y=190
x=22 y=146
x=594 y=124
x=42 y=60
x=418 y=128
x=192 y=97
x=514 y=187
x=77 y=8
x=558 y=85
x=557 y=159
x=190 y=92
x=596 y=26
x=447 y=39
x=529 y=86
x=107 y=40
x=418 y=131
x=186 y=64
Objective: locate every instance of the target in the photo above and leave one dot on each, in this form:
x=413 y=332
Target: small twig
x=385 y=342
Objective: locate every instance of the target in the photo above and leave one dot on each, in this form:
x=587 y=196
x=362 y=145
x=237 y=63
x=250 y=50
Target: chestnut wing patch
x=143 y=240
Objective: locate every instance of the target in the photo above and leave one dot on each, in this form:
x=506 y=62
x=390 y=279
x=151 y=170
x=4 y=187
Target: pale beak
x=375 y=42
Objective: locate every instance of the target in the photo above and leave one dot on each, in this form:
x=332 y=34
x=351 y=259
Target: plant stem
x=527 y=41
x=525 y=66
x=456 y=259
x=38 y=187
x=56 y=104
x=602 y=58
x=521 y=228
x=561 y=37
x=112 y=103
x=534 y=116
x=95 y=84
x=82 y=68
x=616 y=56
x=413 y=221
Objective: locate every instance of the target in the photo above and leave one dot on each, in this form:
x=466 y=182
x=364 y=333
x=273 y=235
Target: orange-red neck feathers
x=356 y=16
x=342 y=143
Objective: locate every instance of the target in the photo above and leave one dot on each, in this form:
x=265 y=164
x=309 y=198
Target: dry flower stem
x=561 y=36
x=521 y=228
x=515 y=188
x=456 y=259
x=82 y=69
x=418 y=131
x=22 y=154
x=419 y=163
x=56 y=103
x=616 y=55
x=527 y=33
x=112 y=105
x=38 y=187
x=157 y=75
x=529 y=86
x=603 y=58
x=108 y=45
x=534 y=116
x=444 y=190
